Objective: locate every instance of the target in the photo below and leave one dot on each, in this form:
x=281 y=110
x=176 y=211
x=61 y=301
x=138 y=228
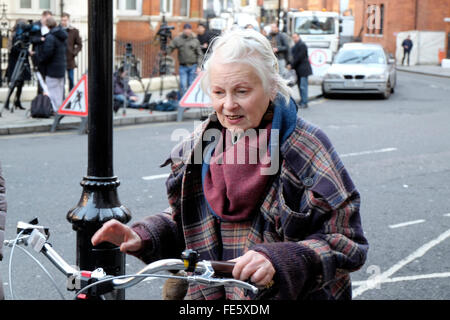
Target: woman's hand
x=119 y=234
x=253 y=266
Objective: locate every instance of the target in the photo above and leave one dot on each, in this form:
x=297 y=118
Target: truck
x=320 y=30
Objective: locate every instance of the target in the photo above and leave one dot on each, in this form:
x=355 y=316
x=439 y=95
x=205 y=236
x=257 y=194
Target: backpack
x=41 y=107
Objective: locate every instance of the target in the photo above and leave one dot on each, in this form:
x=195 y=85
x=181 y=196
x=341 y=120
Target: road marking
x=404 y=224
x=155 y=177
x=368 y=152
x=408 y=278
x=372 y=283
x=447 y=215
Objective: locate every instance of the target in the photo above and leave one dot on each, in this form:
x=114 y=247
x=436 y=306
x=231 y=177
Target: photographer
x=18 y=43
x=190 y=56
x=37 y=39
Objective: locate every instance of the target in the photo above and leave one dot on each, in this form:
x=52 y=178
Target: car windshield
x=314 y=25
x=363 y=56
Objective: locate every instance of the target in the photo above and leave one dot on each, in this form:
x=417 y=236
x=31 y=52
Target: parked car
x=361 y=68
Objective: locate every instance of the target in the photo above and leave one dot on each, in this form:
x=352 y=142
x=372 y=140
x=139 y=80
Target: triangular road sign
x=194 y=96
x=76 y=103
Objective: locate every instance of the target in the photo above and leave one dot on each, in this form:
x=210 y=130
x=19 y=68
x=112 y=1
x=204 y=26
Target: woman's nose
x=229 y=103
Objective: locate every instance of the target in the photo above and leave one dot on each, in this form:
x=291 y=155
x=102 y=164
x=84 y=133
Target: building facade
x=381 y=20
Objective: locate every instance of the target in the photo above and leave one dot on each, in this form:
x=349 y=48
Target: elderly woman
x=287 y=214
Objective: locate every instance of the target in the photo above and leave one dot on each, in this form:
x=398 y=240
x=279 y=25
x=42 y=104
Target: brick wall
x=400 y=16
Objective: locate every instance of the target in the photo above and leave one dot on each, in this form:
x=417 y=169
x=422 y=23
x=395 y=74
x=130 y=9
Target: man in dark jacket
x=37 y=41
x=74 y=46
x=190 y=56
x=407 y=45
x=280 y=45
x=300 y=63
x=2 y=222
x=205 y=36
x=52 y=58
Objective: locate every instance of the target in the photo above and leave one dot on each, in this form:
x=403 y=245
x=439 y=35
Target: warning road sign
x=76 y=103
x=195 y=97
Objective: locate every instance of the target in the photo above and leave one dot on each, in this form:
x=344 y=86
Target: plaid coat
x=308 y=223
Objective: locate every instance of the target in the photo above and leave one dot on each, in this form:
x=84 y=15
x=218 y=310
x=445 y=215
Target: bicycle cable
x=11 y=288
x=11 y=291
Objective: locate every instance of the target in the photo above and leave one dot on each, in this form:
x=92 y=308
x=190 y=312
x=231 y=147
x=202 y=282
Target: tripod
x=18 y=71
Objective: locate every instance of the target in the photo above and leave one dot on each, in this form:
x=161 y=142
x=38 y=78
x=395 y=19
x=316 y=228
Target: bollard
x=99 y=200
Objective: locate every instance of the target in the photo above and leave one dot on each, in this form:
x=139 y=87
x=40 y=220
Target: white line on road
x=362 y=153
x=155 y=177
x=408 y=278
x=375 y=281
x=447 y=215
x=404 y=224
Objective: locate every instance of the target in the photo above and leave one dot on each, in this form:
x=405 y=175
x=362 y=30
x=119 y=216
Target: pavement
x=19 y=121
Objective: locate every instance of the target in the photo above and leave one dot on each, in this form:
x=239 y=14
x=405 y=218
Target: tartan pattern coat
x=308 y=223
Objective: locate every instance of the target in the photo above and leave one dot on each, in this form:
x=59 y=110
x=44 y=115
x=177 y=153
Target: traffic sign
x=318 y=57
x=76 y=103
x=194 y=96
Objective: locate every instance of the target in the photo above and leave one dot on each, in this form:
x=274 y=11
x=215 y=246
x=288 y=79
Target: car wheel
x=388 y=90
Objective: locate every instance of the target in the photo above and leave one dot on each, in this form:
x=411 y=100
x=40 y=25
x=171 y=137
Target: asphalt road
x=397 y=152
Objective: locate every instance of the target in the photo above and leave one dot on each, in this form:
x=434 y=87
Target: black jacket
x=280 y=41
x=52 y=56
x=300 y=60
x=13 y=58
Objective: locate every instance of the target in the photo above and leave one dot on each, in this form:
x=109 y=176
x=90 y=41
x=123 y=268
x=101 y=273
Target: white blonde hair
x=249 y=47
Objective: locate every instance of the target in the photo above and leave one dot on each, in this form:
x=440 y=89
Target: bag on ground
x=41 y=107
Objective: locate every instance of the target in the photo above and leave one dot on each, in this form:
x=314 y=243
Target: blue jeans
x=303 y=88
x=130 y=103
x=187 y=77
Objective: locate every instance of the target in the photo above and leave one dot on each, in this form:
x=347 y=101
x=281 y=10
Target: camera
x=164 y=33
x=24 y=31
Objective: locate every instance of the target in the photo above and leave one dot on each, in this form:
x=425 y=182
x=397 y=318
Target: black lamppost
x=99 y=199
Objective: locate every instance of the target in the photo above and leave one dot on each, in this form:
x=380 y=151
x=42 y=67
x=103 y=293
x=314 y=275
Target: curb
x=424 y=73
x=118 y=121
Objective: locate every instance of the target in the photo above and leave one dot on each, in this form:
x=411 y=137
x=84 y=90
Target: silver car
x=361 y=68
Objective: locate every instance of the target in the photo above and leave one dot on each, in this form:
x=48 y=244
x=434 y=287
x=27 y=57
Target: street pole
x=99 y=200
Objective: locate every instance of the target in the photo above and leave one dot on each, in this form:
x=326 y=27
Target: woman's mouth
x=234 y=119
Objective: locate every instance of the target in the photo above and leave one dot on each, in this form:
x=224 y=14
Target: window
x=129 y=7
x=36 y=6
x=25 y=4
x=44 y=4
x=165 y=7
x=375 y=19
x=185 y=7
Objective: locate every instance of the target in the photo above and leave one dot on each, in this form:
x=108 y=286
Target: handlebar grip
x=223 y=268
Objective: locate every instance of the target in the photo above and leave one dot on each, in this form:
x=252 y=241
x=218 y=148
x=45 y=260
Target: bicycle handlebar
x=209 y=273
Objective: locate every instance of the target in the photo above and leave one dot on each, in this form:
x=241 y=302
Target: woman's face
x=237 y=95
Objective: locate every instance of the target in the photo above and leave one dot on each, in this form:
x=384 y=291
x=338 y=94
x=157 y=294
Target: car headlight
x=381 y=76
x=332 y=76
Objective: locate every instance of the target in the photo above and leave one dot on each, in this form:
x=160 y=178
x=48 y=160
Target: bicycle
x=94 y=285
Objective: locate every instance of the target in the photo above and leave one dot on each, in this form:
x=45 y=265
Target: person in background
x=407 y=45
x=204 y=36
x=3 y=208
x=280 y=46
x=74 y=46
x=190 y=56
x=123 y=92
x=52 y=58
x=37 y=41
x=300 y=63
x=13 y=58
